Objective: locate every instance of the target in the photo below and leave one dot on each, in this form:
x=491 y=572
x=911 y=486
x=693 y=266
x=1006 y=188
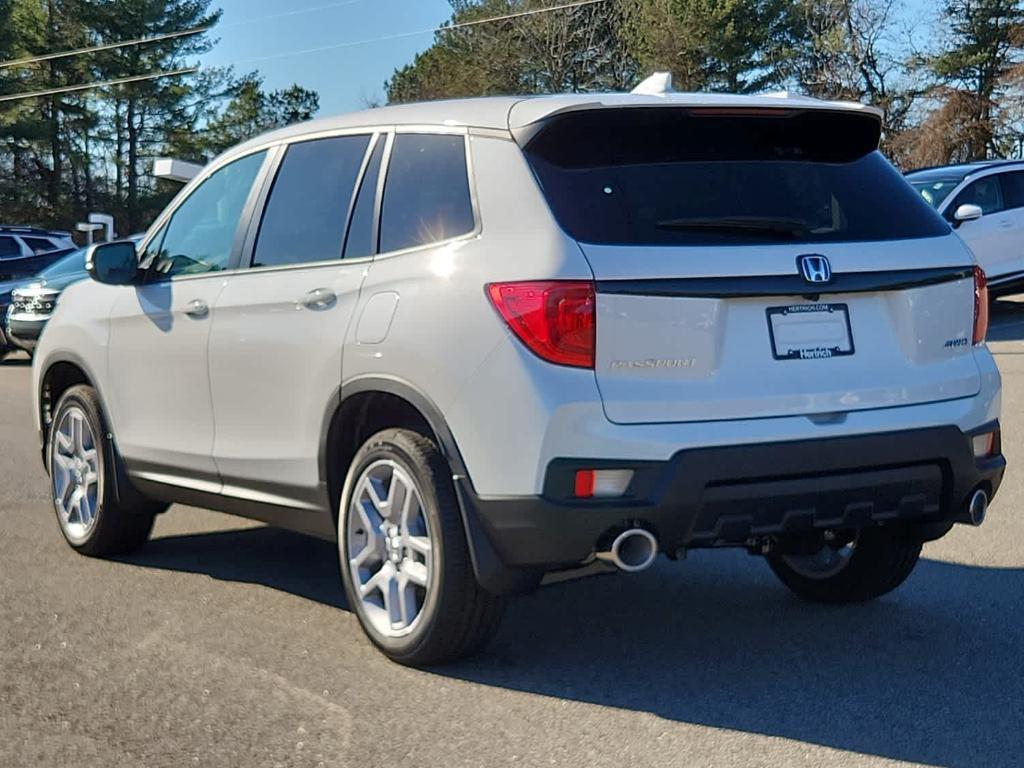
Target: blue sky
x=344 y=77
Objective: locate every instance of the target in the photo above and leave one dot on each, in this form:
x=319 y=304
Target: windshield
x=690 y=177
x=935 y=191
x=69 y=265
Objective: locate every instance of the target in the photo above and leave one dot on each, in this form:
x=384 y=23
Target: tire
x=880 y=561
x=105 y=521
x=435 y=610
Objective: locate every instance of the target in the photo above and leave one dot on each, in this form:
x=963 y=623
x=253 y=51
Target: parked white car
x=984 y=202
x=478 y=341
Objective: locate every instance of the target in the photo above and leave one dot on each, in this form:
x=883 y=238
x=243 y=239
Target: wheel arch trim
x=488 y=567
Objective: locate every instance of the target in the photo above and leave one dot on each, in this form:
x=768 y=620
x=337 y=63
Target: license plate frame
x=837 y=347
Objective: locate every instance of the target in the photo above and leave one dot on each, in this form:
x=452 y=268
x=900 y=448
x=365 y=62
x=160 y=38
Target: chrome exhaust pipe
x=977 y=507
x=631 y=551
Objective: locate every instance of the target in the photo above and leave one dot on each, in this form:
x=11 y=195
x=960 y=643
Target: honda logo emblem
x=815 y=268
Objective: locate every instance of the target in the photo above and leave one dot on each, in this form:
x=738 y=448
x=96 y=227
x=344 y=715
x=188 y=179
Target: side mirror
x=112 y=263
x=967 y=212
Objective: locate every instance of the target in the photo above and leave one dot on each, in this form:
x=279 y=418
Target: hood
x=62 y=282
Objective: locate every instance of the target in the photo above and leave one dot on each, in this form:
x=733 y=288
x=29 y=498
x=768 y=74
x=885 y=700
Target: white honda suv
x=477 y=342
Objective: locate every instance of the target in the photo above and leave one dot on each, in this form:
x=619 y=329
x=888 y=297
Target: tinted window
x=681 y=177
x=39 y=245
x=426 y=195
x=985 y=193
x=308 y=208
x=201 y=233
x=360 y=233
x=9 y=247
x=1013 y=189
x=934 y=191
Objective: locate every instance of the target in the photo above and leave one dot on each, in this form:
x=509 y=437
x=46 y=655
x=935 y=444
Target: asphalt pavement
x=226 y=643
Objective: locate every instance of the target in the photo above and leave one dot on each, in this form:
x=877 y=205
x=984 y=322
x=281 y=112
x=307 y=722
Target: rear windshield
x=668 y=176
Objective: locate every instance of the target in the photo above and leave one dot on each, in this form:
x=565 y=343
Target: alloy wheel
x=390 y=548
x=75 y=471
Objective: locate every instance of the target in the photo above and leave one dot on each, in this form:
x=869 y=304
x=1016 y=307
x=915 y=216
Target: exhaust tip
x=977 y=507
x=632 y=550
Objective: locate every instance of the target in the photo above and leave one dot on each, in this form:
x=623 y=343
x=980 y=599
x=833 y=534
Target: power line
x=447 y=28
x=166 y=36
x=103 y=84
x=106 y=47
x=190 y=70
x=284 y=14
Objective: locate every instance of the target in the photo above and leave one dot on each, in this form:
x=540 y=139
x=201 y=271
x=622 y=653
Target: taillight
x=980 y=305
x=553 y=318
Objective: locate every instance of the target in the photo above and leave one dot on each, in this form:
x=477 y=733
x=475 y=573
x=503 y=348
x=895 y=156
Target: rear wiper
x=741 y=224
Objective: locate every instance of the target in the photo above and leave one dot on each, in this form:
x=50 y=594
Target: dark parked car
x=27 y=303
x=30 y=301
x=22 y=242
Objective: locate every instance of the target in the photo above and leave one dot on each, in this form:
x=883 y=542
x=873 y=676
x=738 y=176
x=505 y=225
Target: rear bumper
x=728 y=495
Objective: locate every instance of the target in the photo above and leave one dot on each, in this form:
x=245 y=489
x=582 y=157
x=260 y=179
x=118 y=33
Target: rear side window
x=308 y=207
x=665 y=176
x=9 y=248
x=39 y=245
x=986 y=193
x=1013 y=189
x=426 y=195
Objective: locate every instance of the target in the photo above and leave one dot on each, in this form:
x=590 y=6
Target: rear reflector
x=980 y=305
x=604 y=483
x=984 y=445
x=553 y=318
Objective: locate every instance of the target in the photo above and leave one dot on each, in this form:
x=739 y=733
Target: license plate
x=810 y=331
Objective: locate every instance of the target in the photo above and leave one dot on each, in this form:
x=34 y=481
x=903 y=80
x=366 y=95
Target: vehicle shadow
x=1006 y=319
x=20 y=361
x=930 y=674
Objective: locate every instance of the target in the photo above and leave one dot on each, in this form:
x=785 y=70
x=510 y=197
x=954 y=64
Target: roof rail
x=26 y=230
x=973 y=166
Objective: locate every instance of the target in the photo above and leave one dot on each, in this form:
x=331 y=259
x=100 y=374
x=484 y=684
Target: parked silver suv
x=475 y=342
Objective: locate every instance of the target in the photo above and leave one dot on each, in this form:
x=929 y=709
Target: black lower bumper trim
x=726 y=495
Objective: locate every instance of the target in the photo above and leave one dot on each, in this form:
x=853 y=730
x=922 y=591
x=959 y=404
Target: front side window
x=200 y=236
x=1013 y=189
x=426 y=194
x=39 y=245
x=308 y=207
x=985 y=193
x=934 y=191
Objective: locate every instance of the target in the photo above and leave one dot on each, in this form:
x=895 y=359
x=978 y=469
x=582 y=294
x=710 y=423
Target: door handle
x=319 y=298
x=197 y=308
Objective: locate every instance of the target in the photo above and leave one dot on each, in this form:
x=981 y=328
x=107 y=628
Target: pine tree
x=141 y=112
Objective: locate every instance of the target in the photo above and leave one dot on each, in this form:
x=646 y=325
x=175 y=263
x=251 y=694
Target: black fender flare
x=488 y=567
